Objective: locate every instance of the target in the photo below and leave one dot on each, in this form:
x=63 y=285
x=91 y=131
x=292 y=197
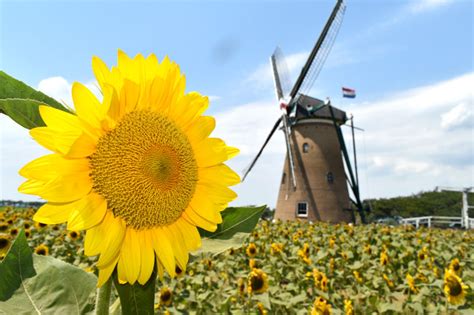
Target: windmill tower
x=317 y=169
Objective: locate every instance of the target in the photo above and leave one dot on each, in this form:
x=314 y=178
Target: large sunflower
x=137 y=170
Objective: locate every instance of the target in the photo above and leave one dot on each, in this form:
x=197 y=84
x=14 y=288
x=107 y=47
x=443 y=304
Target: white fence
x=432 y=220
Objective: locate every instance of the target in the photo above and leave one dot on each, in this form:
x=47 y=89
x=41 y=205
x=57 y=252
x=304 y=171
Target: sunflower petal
x=131 y=255
x=148 y=257
x=89 y=212
x=87 y=106
x=59 y=120
x=200 y=129
x=113 y=238
x=220 y=173
x=50 y=166
x=192 y=217
x=54 y=213
x=106 y=272
x=164 y=250
x=190 y=234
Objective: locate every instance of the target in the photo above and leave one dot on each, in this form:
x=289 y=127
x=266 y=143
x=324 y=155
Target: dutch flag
x=350 y=93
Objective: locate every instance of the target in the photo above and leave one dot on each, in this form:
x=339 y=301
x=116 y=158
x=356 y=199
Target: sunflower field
x=295 y=268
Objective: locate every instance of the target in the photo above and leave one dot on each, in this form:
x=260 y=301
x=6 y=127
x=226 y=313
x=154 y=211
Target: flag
x=350 y=93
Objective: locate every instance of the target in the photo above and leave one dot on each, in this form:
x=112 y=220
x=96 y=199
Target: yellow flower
x=388 y=281
x=179 y=272
x=3 y=227
x=4 y=243
x=241 y=286
x=14 y=232
x=257 y=282
x=42 y=250
x=383 y=258
x=321 y=307
x=455 y=266
x=357 y=276
x=73 y=235
x=324 y=283
x=137 y=170
x=166 y=296
x=332 y=241
x=261 y=309
x=348 y=309
x=276 y=248
x=368 y=249
x=252 y=263
x=411 y=283
x=454 y=288
x=251 y=250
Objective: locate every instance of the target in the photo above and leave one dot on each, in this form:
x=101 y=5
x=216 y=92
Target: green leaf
x=136 y=298
x=16 y=267
x=237 y=223
x=21 y=102
x=46 y=285
x=235 y=220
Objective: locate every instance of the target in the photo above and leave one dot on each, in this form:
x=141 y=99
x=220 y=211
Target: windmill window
x=305 y=147
x=330 y=177
x=283 y=179
x=302 y=209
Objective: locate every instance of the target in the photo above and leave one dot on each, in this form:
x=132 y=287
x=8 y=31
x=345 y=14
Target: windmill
x=317 y=169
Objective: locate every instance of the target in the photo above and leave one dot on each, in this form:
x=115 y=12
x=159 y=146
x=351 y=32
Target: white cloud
x=458 y=116
x=420 y=6
x=214 y=98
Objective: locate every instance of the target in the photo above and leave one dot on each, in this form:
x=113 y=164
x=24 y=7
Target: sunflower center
x=3 y=243
x=256 y=282
x=145 y=169
x=454 y=286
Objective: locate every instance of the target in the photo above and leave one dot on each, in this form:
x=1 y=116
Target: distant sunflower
x=454 y=288
x=241 y=286
x=73 y=235
x=261 y=309
x=3 y=227
x=179 y=272
x=42 y=250
x=257 y=281
x=252 y=263
x=411 y=283
x=40 y=225
x=276 y=248
x=348 y=309
x=27 y=233
x=455 y=266
x=4 y=243
x=14 y=232
x=388 y=281
x=383 y=258
x=137 y=170
x=321 y=307
x=26 y=225
x=251 y=250
x=166 y=296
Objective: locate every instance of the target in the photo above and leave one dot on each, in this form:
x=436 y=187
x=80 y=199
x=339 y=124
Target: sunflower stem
x=103 y=298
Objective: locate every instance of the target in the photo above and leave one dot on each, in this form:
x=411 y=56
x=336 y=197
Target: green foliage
x=16 y=267
x=41 y=284
x=21 y=102
x=136 y=298
x=430 y=203
x=237 y=222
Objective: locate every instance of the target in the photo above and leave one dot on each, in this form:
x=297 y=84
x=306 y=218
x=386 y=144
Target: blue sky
x=394 y=53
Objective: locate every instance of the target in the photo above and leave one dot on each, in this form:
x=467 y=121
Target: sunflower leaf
x=136 y=298
x=16 y=267
x=237 y=223
x=32 y=284
x=235 y=220
x=21 y=102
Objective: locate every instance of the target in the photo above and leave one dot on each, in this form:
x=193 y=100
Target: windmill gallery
x=317 y=170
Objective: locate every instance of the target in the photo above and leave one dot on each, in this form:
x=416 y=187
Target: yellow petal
x=89 y=212
x=202 y=205
x=148 y=256
x=59 y=120
x=32 y=187
x=53 y=140
x=122 y=276
x=129 y=95
x=216 y=193
x=50 y=166
x=87 y=106
x=200 y=129
x=66 y=188
x=113 y=238
x=210 y=152
x=106 y=272
x=193 y=218
x=232 y=152
x=93 y=244
x=83 y=146
x=180 y=250
x=189 y=107
x=220 y=173
x=54 y=213
x=190 y=234
x=101 y=71
x=131 y=255
x=164 y=250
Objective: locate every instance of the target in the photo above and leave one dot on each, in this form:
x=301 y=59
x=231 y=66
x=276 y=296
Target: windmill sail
x=281 y=75
x=321 y=49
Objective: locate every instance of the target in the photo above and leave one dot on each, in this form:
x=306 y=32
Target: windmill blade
x=287 y=132
x=249 y=168
x=320 y=51
x=281 y=75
